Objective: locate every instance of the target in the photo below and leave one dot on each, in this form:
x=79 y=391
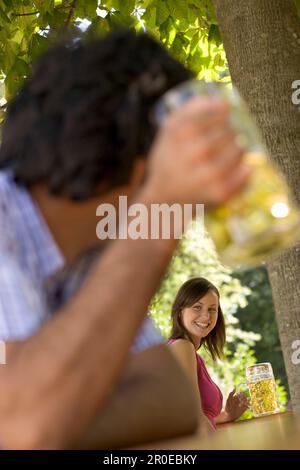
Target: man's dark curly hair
x=83 y=116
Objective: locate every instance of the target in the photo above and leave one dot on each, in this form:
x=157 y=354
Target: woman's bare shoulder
x=184 y=346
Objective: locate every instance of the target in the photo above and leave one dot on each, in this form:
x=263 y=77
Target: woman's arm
x=153 y=400
x=185 y=354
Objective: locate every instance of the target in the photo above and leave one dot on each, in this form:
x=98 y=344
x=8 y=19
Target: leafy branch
x=61 y=7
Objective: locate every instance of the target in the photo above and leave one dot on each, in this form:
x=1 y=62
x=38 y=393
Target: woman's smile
x=202 y=324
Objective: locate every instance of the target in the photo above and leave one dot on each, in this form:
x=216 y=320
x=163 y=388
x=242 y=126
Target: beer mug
x=262 y=220
x=261 y=385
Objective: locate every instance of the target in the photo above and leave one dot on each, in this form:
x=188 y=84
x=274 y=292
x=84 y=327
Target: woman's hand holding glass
x=236 y=405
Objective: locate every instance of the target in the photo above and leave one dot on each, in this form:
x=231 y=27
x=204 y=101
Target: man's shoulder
x=9 y=194
x=148 y=336
x=6 y=180
x=7 y=202
x=22 y=306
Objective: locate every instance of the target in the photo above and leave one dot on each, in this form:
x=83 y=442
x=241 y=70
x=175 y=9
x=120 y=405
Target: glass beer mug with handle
x=262 y=220
x=260 y=383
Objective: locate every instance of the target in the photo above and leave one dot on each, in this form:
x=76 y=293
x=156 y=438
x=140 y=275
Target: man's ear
x=138 y=173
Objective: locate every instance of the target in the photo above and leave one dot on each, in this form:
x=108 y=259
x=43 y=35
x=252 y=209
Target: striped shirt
x=34 y=279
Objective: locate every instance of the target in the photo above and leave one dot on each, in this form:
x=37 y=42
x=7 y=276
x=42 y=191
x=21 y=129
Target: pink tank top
x=211 y=395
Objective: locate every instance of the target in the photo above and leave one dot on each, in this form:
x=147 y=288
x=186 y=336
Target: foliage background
x=247 y=306
x=188 y=28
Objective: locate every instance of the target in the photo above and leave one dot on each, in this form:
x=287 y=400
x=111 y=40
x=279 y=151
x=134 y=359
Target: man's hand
x=195 y=158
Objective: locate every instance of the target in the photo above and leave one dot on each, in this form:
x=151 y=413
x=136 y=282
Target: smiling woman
x=197 y=320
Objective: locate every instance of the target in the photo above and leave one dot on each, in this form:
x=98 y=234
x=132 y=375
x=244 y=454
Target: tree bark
x=262 y=44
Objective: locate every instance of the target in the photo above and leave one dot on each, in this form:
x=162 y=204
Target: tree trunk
x=262 y=43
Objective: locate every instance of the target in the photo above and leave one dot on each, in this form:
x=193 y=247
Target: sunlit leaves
x=177 y=8
x=186 y=27
x=162 y=12
x=214 y=35
x=149 y=17
x=86 y=9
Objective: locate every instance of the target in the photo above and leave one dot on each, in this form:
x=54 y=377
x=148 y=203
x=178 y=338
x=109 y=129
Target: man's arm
x=152 y=401
x=51 y=387
x=52 y=384
x=184 y=352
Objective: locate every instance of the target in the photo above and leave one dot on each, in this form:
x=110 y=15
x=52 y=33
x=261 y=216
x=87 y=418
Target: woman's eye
x=197 y=307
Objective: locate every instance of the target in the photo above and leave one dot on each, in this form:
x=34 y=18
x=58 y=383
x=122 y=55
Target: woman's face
x=201 y=318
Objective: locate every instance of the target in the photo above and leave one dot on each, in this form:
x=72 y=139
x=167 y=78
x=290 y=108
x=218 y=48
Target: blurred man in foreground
x=84 y=367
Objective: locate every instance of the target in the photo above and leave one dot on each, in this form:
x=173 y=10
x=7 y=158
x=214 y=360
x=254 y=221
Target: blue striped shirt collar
x=33 y=232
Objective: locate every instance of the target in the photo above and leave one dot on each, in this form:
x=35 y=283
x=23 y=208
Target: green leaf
x=99 y=26
x=150 y=18
x=218 y=61
x=46 y=6
x=195 y=41
x=3 y=16
x=37 y=45
x=168 y=32
x=9 y=3
x=86 y=9
x=12 y=84
x=177 y=8
x=162 y=12
x=17 y=35
x=178 y=48
x=209 y=11
x=57 y=18
x=126 y=7
x=214 y=34
x=43 y=21
x=182 y=24
x=196 y=3
x=21 y=67
x=116 y=19
x=196 y=61
x=11 y=50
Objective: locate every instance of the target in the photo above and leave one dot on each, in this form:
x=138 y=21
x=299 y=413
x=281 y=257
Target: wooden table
x=280 y=431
